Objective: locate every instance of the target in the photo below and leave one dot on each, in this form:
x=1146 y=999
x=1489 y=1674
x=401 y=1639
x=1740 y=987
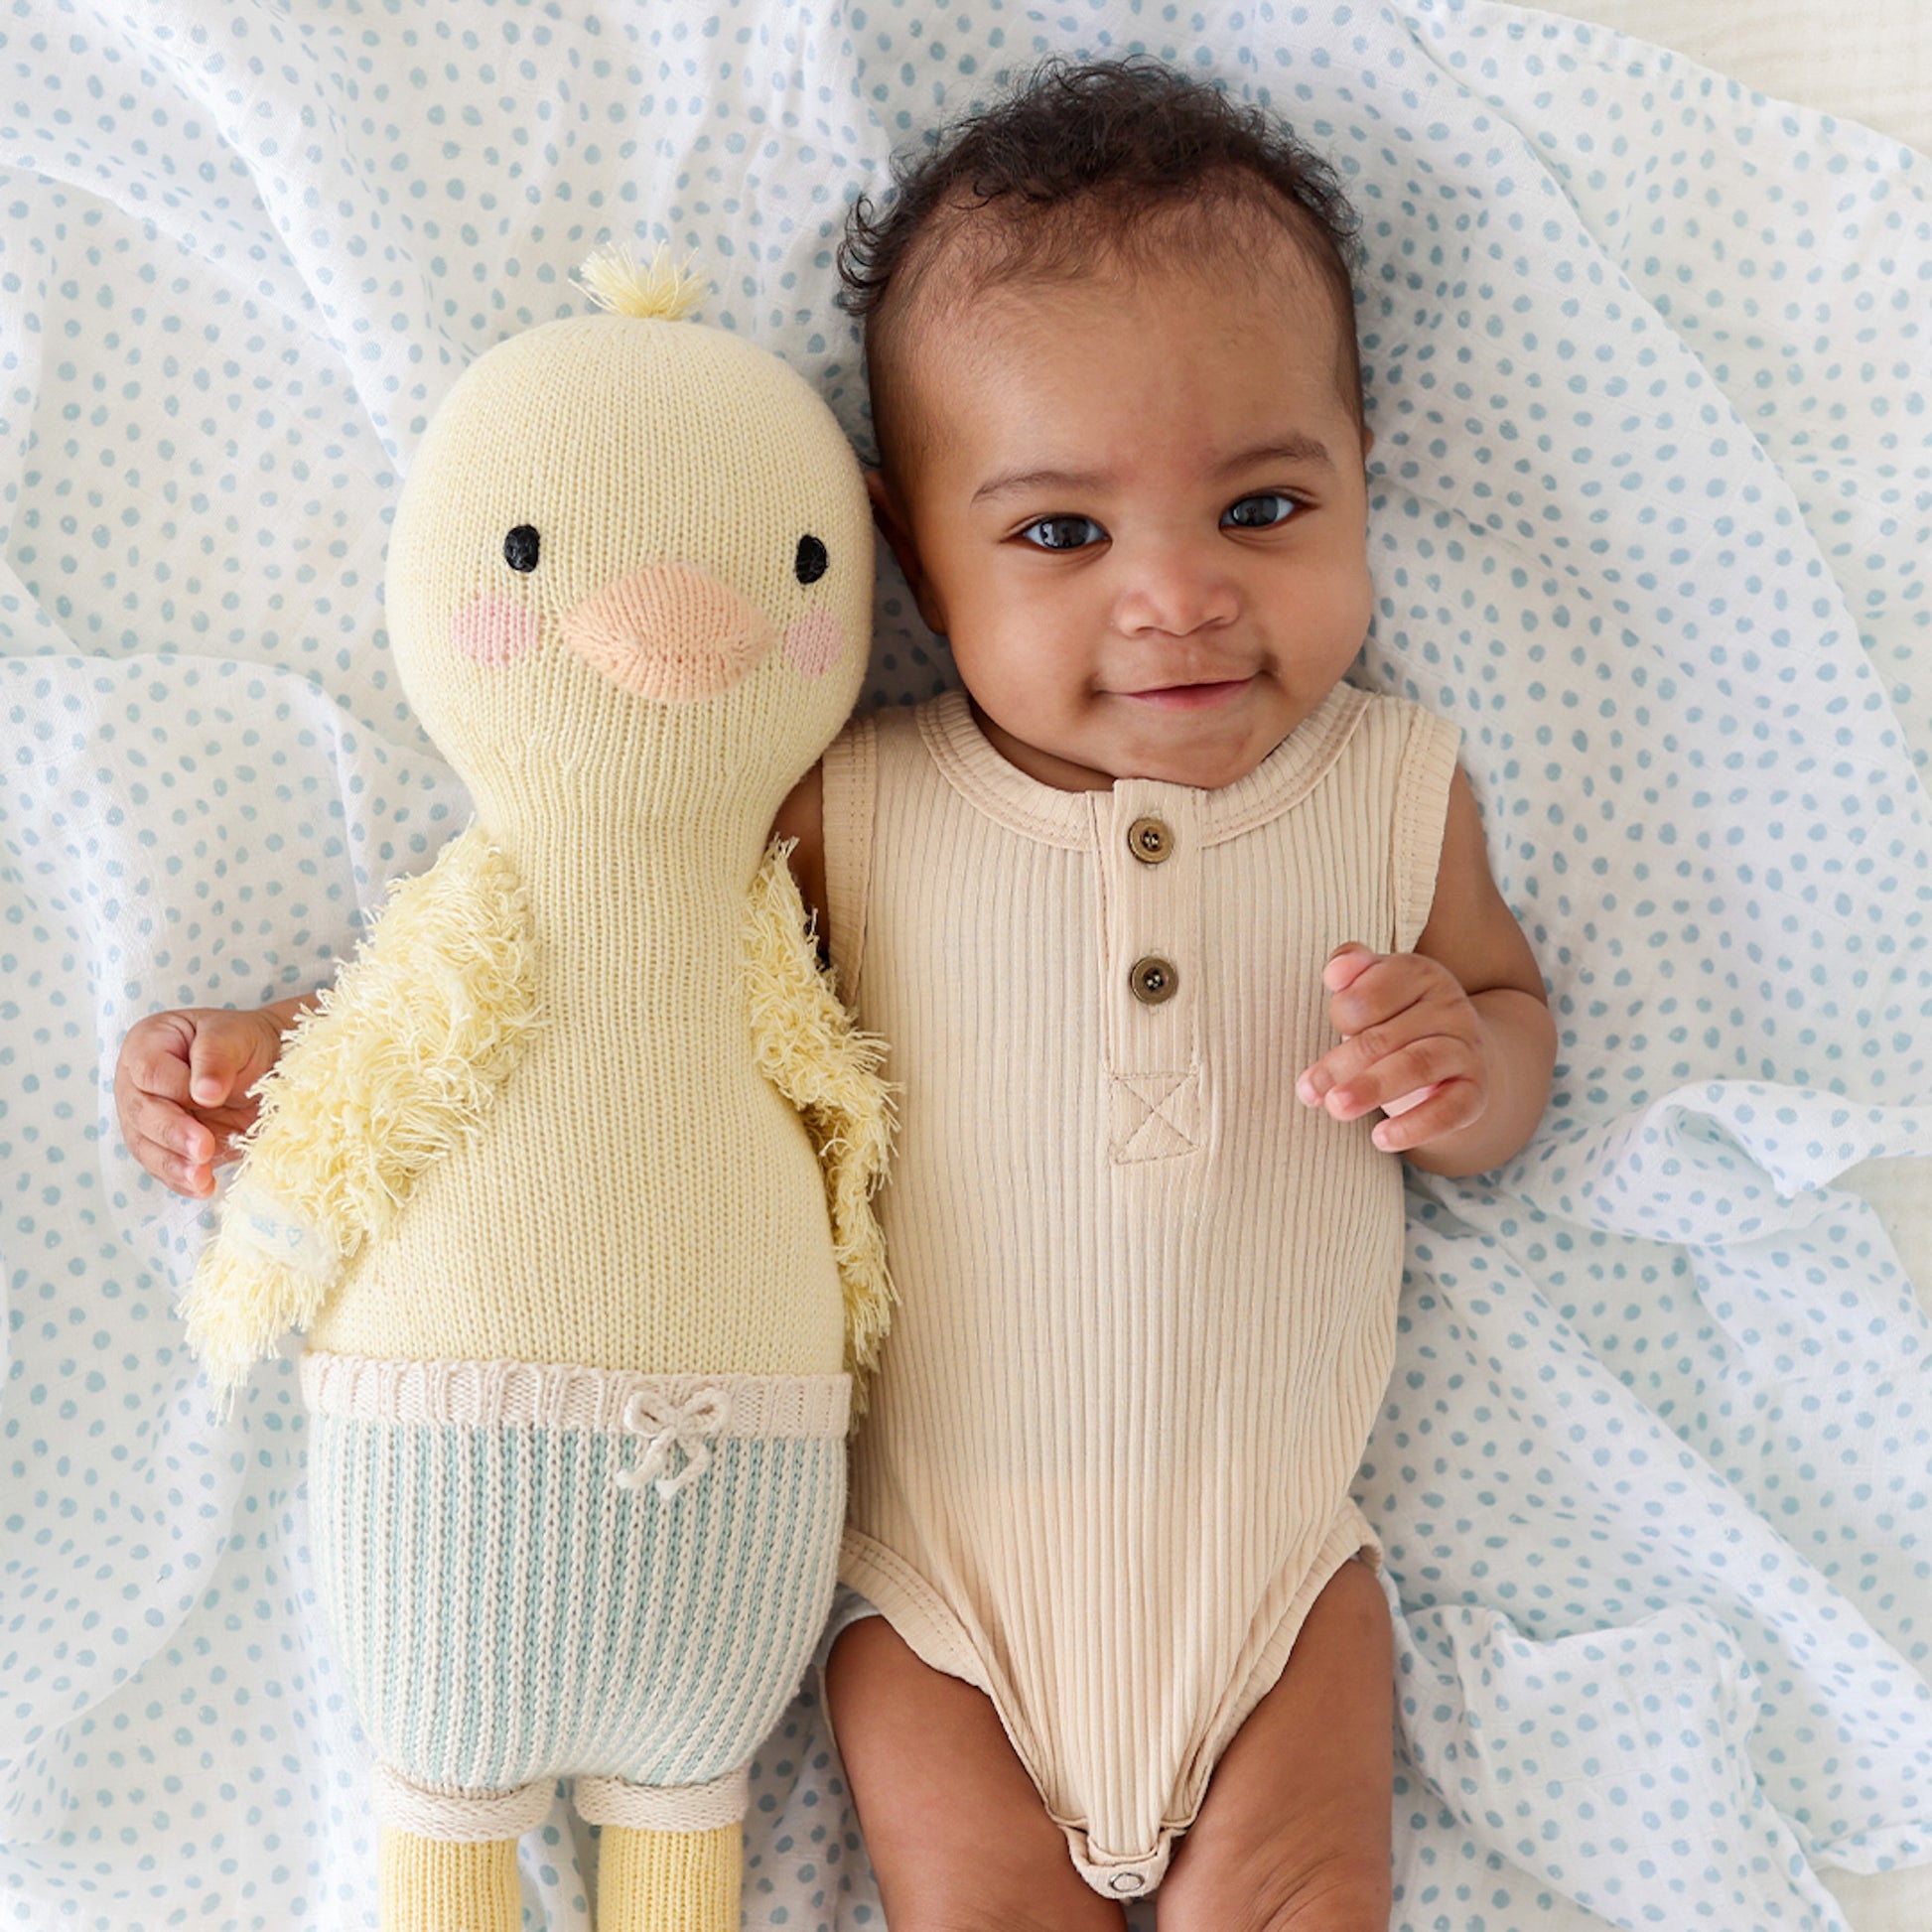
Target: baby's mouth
x=1191 y=697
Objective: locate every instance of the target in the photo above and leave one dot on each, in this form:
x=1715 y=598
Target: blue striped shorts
x=544 y=1570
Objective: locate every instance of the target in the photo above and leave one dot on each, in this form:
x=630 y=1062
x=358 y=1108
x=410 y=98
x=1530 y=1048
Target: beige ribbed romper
x=1146 y=1296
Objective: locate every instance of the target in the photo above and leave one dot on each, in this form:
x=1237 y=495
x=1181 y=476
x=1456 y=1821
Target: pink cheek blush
x=815 y=642
x=494 y=630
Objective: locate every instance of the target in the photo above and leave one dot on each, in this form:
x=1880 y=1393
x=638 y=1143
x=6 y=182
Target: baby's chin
x=1186 y=741
x=1203 y=737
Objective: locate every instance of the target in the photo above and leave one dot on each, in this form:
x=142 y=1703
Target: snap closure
x=1150 y=840
x=1153 y=980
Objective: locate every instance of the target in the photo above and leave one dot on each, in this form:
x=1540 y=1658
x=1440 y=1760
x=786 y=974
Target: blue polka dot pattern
x=1652 y=495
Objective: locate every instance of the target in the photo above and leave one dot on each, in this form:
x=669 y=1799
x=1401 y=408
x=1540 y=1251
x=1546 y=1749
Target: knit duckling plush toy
x=567 y=1178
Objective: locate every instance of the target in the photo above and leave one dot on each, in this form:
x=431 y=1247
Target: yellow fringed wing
x=393 y=1070
x=809 y=1048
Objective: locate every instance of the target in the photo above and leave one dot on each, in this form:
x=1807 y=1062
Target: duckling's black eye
x=811 y=560
x=520 y=547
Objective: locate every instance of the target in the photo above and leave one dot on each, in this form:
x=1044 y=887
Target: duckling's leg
x=670 y=1856
x=668 y=1881
x=448 y=1859
x=433 y=1884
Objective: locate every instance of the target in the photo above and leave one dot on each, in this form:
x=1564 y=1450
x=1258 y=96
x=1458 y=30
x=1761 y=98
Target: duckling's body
x=700 y=1162
x=535 y=1178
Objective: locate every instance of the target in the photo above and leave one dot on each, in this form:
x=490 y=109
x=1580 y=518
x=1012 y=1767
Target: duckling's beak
x=670 y=631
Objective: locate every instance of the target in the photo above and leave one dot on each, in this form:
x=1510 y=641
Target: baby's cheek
x=494 y=629
x=814 y=643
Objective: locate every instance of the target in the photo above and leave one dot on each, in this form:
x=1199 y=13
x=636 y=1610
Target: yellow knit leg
x=668 y=1881
x=429 y=1885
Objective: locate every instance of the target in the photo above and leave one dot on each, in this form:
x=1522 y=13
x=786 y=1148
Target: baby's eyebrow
x=1286 y=449
x=1019 y=479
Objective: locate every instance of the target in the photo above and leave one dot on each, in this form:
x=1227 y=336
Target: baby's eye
x=1063 y=532
x=1259 y=512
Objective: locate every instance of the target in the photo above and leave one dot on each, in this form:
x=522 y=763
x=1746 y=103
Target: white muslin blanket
x=1649 y=372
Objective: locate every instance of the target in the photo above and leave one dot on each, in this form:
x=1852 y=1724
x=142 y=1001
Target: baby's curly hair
x=1070 y=165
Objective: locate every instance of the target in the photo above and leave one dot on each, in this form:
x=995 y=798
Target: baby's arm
x=1454 y=1040
x=801 y=818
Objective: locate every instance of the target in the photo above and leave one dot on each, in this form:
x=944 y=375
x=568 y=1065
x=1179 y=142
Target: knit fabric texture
x=584 y=1573
x=644 y=1198
x=651 y=1882
x=1148 y=1297
x=428 y=1885
x=630 y=586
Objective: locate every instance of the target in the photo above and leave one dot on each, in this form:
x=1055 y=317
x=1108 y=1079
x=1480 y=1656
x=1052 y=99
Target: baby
x=1158 y=914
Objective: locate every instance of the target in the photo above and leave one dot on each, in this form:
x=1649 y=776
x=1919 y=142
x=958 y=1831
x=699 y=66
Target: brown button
x=1153 y=980
x=1150 y=840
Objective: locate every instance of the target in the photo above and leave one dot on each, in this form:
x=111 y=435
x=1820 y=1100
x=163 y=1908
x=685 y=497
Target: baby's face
x=1138 y=518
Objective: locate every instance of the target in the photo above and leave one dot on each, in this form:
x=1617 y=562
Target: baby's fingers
x=1346 y=964
x=1368 y=989
x=224 y=1048
x=171 y=1145
x=178 y=1172
x=154 y=1057
x=1372 y=1068
x=181 y=1089
x=1451 y=1105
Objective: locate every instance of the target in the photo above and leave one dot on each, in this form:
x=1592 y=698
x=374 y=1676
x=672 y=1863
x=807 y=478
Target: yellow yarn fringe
x=808 y=1048
x=616 y=280
x=390 y=1073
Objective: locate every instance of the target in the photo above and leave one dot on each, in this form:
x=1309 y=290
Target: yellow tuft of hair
x=616 y=280
x=391 y=1071
x=807 y=1046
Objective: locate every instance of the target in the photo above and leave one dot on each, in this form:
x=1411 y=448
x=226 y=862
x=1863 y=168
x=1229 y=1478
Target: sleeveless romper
x=1146 y=1296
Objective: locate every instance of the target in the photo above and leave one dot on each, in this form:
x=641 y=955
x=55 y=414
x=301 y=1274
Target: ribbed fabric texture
x=668 y=1881
x=565 y=1395
x=1148 y=1299
x=430 y=1887
x=513 y=1602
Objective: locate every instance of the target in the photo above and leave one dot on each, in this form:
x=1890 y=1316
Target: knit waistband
x=565 y=1395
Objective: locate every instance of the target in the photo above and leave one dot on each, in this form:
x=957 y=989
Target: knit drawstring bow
x=681 y=1427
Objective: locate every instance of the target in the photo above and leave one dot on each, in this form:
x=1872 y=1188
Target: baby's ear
x=895 y=527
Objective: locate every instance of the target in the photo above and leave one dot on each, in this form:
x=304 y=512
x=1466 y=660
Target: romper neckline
x=968 y=762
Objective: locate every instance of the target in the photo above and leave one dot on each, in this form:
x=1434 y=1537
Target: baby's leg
x=957 y=1833
x=1294 y=1833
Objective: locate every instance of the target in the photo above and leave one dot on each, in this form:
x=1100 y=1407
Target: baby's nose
x=671 y=631
x=1177 y=588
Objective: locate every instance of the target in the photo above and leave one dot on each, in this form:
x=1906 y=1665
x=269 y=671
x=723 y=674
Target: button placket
x=1149 y=874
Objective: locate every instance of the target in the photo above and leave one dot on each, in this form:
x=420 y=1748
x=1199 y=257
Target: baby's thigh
x=1294 y=1830
x=957 y=1833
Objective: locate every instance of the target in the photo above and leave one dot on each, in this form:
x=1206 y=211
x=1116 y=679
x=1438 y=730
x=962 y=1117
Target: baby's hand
x=1412 y=1044
x=181 y=1088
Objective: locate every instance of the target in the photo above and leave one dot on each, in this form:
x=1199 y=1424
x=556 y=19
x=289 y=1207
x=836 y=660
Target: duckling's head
x=633 y=565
